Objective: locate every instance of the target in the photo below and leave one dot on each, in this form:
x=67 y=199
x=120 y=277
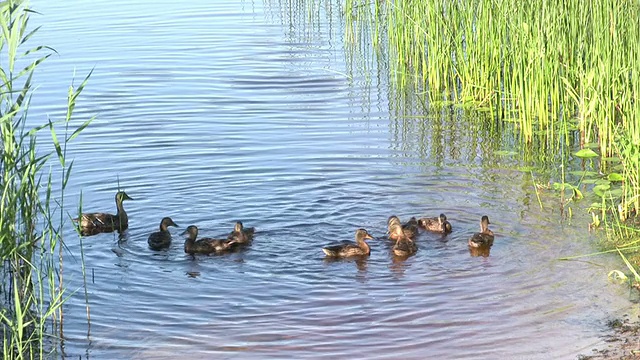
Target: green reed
x=554 y=68
x=31 y=211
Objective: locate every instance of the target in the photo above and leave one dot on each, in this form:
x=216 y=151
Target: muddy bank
x=622 y=341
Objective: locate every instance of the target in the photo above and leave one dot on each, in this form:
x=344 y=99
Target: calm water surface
x=211 y=113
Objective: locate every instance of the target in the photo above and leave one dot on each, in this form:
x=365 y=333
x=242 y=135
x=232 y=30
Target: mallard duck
x=95 y=223
x=404 y=245
x=484 y=237
x=161 y=239
x=204 y=245
x=410 y=229
x=360 y=248
x=241 y=235
x=436 y=224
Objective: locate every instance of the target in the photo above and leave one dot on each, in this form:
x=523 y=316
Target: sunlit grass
x=559 y=70
x=31 y=212
x=538 y=62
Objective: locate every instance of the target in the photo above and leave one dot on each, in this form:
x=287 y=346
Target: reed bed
x=31 y=211
x=554 y=68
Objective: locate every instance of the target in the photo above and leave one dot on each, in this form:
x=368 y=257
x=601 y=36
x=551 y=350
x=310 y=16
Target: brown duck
x=404 y=246
x=241 y=235
x=437 y=224
x=95 y=223
x=360 y=248
x=410 y=229
x=204 y=245
x=485 y=237
x=161 y=239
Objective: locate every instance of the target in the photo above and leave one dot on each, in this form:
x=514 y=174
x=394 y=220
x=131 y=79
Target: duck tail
x=329 y=252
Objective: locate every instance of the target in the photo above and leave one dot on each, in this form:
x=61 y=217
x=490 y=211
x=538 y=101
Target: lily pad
x=586 y=154
x=600 y=189
x=584 y=173
x=505 y=153
x=615 y=177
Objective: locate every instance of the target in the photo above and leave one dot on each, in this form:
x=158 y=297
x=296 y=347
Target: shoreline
x=622 y=340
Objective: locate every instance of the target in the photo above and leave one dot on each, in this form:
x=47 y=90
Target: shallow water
x=253 y=111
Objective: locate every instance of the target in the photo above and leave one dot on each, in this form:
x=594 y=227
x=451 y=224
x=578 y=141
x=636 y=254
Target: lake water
x=212 y=112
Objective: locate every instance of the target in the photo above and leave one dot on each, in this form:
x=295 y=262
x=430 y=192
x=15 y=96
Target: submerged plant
x=30 y=234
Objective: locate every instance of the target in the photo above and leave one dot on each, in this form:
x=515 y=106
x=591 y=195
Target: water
x=252 y=111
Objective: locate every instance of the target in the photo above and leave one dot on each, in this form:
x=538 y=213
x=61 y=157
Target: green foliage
x=30 y=237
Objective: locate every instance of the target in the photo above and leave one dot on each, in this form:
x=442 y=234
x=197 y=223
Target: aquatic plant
x=553 y=68
x=31 y=211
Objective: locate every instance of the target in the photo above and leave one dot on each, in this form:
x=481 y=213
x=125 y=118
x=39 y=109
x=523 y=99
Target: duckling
x=404 y=245
x=95 y=223
x=241 y=235
x=436 y=224
x=410 y=229
x=484 y=237
x=204 y=245
x=360 y=248
x=161 y=239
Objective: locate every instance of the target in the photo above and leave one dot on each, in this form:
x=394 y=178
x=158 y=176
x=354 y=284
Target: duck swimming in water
x=161 y=239
x=404 y=246
x=241 y=235
x=410 y=229
x=95 y=223
x=437 y=224
x=360 y=248
x=204 y=245
x=485 y=237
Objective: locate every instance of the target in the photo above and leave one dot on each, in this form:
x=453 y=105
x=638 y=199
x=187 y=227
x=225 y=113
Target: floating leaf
x=584 y=173
x=611 y=159
x=615 y=177
x=596 y=206
x=505 y=153
x=600 y=189
x=613 y=194
x=586 y=154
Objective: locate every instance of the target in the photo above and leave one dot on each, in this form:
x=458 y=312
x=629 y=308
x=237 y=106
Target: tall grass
x=554 y=68
x=31 y=212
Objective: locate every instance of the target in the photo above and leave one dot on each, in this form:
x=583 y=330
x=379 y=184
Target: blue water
x=258 y=111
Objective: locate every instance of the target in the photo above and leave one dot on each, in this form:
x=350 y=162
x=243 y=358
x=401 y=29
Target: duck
x=95 y=223
x=241 y=235
x=484 y=238
x=204 y=245
x=404 y=246
x=161 y=239
x=437 y=224
x=410 y=229
x=360 y=248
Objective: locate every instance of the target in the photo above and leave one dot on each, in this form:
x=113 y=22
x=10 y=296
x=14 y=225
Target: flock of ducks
x=96 y=223
x=403 y=236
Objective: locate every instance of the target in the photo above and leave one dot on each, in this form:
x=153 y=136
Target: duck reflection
x=361 y=262
x=480 y=251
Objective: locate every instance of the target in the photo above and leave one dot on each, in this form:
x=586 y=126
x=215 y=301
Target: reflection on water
x=213 y=113
x=483 y=251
